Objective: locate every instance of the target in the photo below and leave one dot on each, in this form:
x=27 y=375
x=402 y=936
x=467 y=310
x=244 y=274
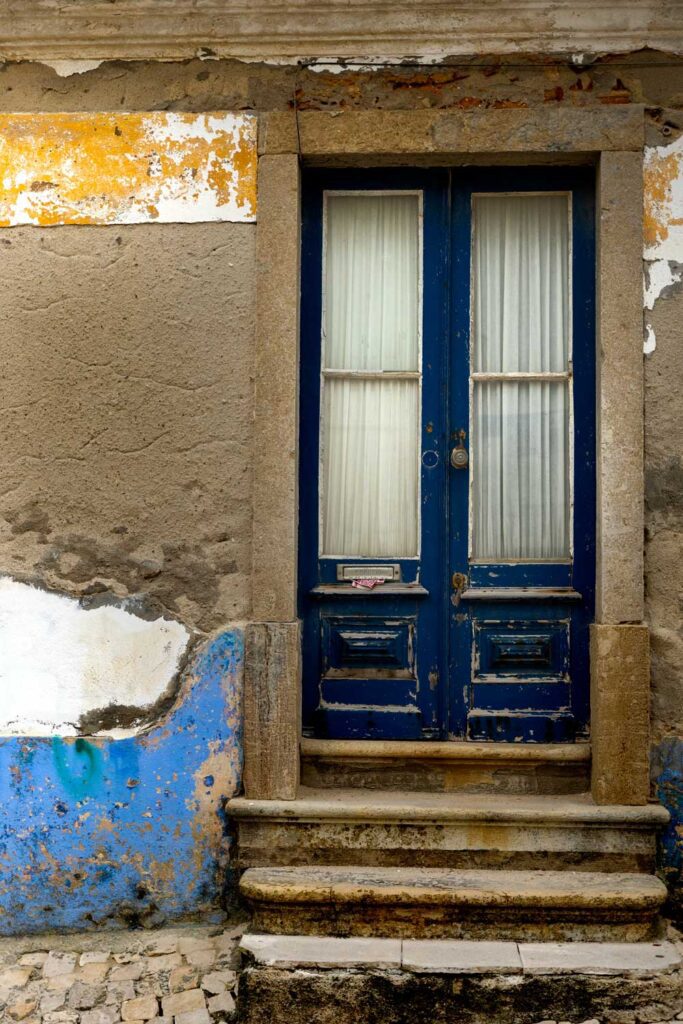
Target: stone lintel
x=272 y=709
x=444 y=136
x=620 y=714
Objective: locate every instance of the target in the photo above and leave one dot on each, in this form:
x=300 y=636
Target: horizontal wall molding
x=273 y=30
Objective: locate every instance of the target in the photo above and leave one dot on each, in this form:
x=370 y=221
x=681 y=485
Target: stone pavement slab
x=644 y=958
x=459 y=957
x=322 y=951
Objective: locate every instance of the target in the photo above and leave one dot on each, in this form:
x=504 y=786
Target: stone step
x=455 y=830
x=533 y=768
x=442 y=903
x=303 y=978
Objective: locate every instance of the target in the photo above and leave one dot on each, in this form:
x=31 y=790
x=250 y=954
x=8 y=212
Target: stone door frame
x=613 y=140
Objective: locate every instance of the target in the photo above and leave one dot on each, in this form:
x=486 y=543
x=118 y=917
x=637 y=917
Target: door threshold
x=452 y=750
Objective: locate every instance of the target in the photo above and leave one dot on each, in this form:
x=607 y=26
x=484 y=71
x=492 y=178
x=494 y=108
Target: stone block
x=193 y=1017
x=83 y=996
x=620 y=714
x=191 y=943
x=202 y=958
x=161 y=944
x=182 y=978
x=217 y=981
x=61 y=982
x=143 y=1008
x=278 y=133
x=21 y=1009
x=164 y=962
x=33 y=959
x=94 y=956
x=93 y=972
x=184 y=1002
x=272 y=702
x=59 y=963
x=15 y=977
x=127 y=972
x=101 y=1015
x=223 y=1003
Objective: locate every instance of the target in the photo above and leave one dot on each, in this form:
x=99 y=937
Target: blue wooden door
x=482 y=418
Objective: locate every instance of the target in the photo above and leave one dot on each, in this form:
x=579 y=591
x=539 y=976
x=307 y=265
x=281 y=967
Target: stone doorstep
x=597 y=894
x=405 y=806
x=641 y=959
x=345 y=826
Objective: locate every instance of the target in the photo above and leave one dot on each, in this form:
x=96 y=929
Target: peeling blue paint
x=667 y=770
x=103 y=832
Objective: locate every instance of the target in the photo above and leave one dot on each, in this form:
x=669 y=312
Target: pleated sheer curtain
x=370 y=416
x=521 y=426
x=371 y=378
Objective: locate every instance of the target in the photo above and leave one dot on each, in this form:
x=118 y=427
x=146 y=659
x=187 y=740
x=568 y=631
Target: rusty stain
x=127 y=168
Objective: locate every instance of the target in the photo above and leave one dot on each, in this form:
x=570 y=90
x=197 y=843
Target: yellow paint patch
x=127 y=168
x=663 y=209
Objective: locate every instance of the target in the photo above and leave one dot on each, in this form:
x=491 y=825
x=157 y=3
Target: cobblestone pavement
x=173 y=976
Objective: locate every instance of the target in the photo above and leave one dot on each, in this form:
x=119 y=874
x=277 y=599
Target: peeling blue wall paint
x=104 y=832
x=667 y=770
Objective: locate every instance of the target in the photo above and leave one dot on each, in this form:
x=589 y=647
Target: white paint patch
x=659 y=274
x=60 y=661
x=663 y=249
x=67 y=68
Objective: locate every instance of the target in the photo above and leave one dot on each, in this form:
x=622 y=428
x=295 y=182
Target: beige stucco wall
x=125 y=413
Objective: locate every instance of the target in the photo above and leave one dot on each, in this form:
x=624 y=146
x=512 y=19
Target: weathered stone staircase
x=476 y=844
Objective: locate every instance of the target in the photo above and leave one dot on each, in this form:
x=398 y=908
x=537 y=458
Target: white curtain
x=370 y=426
x=521 y=428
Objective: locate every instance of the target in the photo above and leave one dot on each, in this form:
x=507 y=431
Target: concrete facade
x=149 y=436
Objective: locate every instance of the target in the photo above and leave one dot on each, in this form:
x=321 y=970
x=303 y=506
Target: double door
x=447 y=494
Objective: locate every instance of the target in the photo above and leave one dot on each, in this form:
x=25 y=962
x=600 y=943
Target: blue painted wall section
x=105 y=832
x=667 y=768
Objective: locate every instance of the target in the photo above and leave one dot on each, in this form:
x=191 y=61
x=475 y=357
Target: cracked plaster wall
x=126 y=354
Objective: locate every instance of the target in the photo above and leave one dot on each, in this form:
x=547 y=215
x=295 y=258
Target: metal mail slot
x=392 y=571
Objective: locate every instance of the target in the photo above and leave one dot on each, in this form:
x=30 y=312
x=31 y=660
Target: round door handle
x=459 y=458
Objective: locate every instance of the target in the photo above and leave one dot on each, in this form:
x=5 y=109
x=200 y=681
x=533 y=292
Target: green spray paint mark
x=79 y=766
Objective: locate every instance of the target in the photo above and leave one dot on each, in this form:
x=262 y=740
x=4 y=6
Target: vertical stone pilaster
x=276 y=390
x=620 y=714
x=272 y=710
x=619 y=591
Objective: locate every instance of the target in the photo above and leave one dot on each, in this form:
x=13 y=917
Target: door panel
x=374 y=660
x=447 y=313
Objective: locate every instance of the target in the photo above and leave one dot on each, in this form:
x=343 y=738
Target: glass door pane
x=521 y=283
x=521 y=506
x=371 y=375
x=521 y=487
